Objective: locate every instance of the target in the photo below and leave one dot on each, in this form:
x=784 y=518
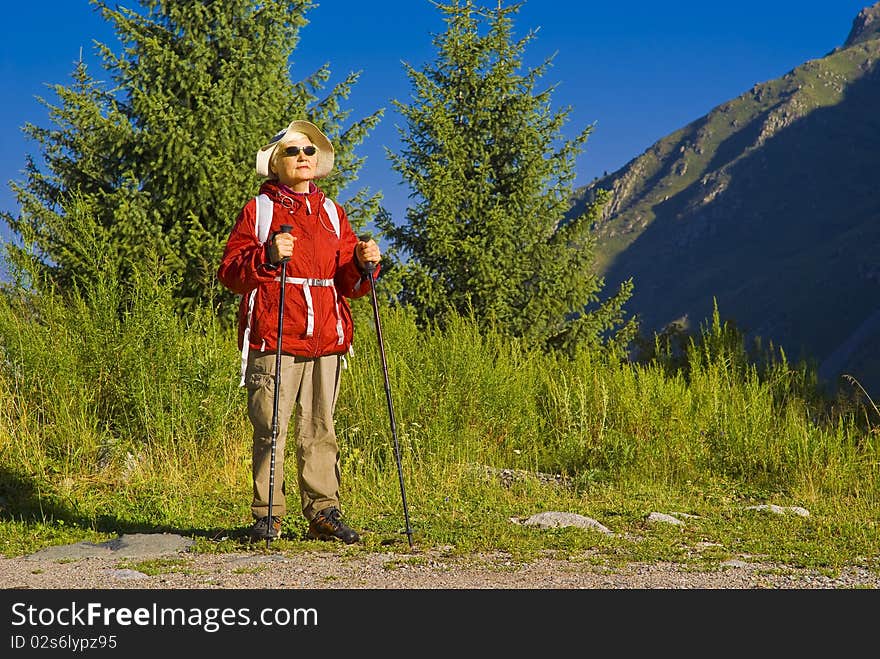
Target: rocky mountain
x=769 y=205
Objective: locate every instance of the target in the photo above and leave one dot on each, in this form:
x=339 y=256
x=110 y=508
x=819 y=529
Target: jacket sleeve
x=351 y=281
x=245 y=263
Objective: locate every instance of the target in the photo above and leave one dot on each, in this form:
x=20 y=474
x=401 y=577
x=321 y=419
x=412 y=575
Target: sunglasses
x=309 y=150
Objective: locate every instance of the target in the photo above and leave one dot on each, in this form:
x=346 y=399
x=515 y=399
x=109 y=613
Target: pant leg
x=260 y=383
x=317 y=450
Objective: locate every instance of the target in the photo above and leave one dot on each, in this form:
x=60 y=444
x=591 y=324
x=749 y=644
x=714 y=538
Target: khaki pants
x=310 y=386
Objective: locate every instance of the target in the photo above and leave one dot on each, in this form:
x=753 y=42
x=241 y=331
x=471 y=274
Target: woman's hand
x=281 y=247
x=367 y=251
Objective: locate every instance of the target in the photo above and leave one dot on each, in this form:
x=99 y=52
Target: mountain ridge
x=767 y=204
x=866 y=26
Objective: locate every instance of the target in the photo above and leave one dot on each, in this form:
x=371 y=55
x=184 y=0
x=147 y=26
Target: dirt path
x=164 y=562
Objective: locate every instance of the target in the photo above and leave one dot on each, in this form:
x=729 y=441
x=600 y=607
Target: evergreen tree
x=492 y=178
x=165 y=158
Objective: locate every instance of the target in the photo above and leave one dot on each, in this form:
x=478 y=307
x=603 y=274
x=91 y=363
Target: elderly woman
x=324 y=264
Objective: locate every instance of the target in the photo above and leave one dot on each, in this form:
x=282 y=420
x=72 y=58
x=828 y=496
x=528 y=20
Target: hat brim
x=325 y=148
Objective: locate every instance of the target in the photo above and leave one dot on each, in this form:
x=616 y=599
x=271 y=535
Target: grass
x=118 y=415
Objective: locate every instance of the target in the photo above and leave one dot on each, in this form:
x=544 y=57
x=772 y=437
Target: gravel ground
x=340 y=569
x=519 y=604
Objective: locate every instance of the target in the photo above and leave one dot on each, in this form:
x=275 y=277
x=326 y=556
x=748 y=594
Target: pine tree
x=165 y=157
x=492 y=180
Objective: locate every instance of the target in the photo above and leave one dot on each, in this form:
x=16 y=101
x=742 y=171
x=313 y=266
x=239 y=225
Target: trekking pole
x=370 y=268
x=270 y=527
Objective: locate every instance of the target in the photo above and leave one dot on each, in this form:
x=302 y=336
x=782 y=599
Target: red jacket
x=323 y=268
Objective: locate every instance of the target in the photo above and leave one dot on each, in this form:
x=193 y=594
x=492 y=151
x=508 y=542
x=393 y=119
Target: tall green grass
x=118 y=415
x=111 y=402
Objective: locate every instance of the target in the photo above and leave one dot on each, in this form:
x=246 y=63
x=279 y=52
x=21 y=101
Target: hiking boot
x=261 y=530
x=328 y=525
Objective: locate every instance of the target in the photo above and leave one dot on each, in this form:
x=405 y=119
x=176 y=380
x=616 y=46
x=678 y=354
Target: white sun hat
x=310 y=130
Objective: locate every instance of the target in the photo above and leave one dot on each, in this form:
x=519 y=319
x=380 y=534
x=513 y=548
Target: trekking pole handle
x=286 y=228
x=369 y=266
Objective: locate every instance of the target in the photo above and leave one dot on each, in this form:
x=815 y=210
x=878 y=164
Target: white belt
x=306 y=284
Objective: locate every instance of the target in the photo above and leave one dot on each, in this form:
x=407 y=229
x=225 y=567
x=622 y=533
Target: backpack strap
x=264 y=216
x=262 y=224
x=330 y=207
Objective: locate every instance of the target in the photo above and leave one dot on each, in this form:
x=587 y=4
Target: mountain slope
x=770 y=203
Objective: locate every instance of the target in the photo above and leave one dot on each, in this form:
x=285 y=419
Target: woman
x=325 y=265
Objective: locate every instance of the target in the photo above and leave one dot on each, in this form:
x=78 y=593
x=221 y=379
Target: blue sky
x=637 y=69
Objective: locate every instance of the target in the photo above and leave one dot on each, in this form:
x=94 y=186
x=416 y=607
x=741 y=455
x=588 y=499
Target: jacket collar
x=279 y=192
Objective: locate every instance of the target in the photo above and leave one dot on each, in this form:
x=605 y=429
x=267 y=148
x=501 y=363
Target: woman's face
x=293 y=164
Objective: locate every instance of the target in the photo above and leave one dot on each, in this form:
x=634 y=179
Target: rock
x=663 y=517
x=137 y=545
x=126 y=574
x=551 y=519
